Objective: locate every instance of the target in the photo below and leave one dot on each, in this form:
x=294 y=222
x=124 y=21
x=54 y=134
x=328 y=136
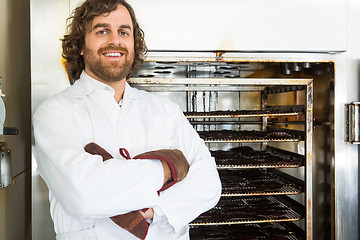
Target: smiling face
x=109 y=46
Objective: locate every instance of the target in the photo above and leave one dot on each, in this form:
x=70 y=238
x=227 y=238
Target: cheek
x=131 y=48
x=91 y=45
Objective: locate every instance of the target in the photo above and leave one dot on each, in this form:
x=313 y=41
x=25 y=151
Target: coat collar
x=85 y=85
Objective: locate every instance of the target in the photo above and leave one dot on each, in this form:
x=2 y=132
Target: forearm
x=197 y=193
x=99 y=189
x=201 y=189
x=85 y=185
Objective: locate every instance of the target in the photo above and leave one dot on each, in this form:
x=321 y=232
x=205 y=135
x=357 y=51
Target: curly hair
x=80 y=21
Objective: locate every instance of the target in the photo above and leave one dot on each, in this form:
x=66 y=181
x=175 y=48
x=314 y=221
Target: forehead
x=120 y=16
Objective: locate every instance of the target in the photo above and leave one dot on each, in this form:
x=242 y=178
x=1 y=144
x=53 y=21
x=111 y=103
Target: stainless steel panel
x=257 y=25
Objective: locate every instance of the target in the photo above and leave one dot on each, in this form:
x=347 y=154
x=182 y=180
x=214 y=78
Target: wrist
x=167 y=172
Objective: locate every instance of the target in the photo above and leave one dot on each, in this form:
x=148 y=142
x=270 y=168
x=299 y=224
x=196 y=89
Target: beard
x=112 y=71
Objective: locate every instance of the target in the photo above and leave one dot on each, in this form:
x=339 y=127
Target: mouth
x=113 y=54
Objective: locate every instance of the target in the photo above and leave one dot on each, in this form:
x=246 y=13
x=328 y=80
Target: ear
x=82 y=52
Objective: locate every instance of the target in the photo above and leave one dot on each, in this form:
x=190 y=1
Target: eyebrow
x=104 y=25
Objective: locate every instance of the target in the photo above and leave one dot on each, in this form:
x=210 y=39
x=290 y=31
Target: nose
x=114 y=39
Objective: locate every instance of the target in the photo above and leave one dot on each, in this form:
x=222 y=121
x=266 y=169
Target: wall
x=48 y=25
x=15 y=201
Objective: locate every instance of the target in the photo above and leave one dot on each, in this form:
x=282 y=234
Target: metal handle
x=5 y=169
x=352 y=127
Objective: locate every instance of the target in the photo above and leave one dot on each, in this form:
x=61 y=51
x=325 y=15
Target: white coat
x=84 y=191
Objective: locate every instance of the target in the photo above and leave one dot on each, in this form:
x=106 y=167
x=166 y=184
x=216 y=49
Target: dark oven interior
x=268 y=126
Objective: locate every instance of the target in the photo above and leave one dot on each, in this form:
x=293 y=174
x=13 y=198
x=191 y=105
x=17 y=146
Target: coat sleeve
x=84 y=185
x=201 y=189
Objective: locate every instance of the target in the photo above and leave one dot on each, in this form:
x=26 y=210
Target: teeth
x=112 y=54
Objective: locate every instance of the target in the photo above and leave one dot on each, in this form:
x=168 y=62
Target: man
x=102 y=49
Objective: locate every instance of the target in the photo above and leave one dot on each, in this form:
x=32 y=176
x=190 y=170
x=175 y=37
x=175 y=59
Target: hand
x=173 y=162
x=167 y=172
x=148 y=214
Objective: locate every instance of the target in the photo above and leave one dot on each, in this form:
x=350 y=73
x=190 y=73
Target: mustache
x=113 y=48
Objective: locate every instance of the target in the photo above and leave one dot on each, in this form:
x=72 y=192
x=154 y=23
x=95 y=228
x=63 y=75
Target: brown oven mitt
x=174 y=158
x=133 y=221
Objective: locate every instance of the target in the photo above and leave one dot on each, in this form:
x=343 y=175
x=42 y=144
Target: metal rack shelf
x=244 y=113
x=249 y=136
x=248 y=210
x=172 y=83
x=246 y=157
x=268 y=231
x=255 y=183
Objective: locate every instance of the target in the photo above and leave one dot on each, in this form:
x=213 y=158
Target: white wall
x=48 y=76
x=48 y=25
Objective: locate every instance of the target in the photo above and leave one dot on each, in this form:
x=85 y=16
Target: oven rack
x=267 y=231
x=246 y=157
x=244 y=210
x=255 y=183
x=242 y=113
x=282 y=89
x=252 y=136
x=163 y=81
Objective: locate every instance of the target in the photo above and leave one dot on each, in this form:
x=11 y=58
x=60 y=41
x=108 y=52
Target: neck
x=118 y=86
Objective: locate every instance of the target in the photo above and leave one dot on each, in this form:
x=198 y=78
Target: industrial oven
x=257 y=120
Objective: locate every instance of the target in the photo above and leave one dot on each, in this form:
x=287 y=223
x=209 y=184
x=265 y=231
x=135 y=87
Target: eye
x=101 y=32
x=123 y=33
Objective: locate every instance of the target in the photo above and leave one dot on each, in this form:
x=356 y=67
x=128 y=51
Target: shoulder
x=57 y=104
x=151 y=96
x=154 y=101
